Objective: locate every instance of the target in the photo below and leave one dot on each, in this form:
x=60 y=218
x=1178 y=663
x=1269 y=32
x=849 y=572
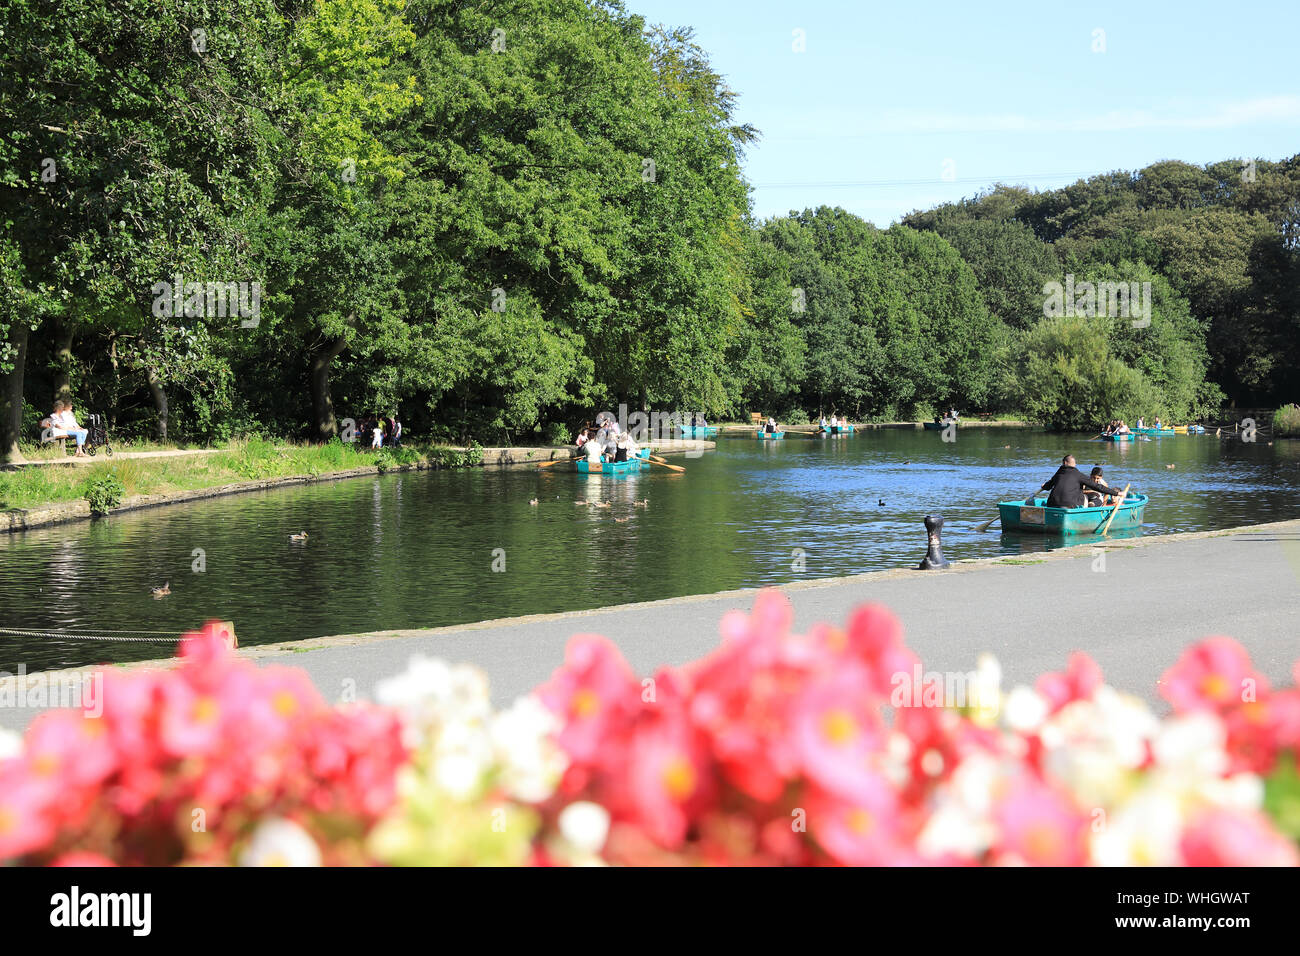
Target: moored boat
x=770 y=436
x=1018 y=516
x=697 y=431
x=639 y=463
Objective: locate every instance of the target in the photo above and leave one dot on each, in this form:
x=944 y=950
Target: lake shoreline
x=23 y=519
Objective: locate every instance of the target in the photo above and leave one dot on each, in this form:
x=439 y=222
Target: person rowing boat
x=1066 y=486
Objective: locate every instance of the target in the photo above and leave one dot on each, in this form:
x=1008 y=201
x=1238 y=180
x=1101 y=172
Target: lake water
x=417 y=549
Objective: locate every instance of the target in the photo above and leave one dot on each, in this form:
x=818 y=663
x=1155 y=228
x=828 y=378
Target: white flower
x=462 y=756
x=952 y=828
x=985 y=697
x=1241 y=791
x=1025 y=709
x=280 y=842
x=11 y=744
x=1191 y=747
x=529 y=761
x=584 y=826
x=1143 y=832
x=431 y=692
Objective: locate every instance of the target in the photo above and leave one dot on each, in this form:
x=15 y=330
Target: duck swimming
x=300 y=536
x=163 y=591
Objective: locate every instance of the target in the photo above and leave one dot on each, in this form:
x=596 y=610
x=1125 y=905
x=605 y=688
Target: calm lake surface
x=417 y=549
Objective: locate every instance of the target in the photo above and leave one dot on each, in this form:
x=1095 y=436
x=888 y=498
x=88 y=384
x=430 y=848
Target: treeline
x=228 y=217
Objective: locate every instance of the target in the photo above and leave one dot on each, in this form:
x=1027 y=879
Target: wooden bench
x=756 y=418
x=49 y=435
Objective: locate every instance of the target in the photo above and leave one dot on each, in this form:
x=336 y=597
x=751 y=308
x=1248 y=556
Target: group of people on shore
x=62 y=423
x=605 y=441
x=385 y=431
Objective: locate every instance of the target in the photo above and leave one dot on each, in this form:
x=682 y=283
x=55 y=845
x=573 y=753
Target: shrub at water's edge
x=832 y=746
x=1286 y=421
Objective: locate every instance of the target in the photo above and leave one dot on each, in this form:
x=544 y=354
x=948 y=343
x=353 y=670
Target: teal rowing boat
x=936 y=426
x=614 y=468
x=1163 y=430
x=841 y=429
x=1128 y=437
x=697 y=431
x=1018 y=516
x=770 y=436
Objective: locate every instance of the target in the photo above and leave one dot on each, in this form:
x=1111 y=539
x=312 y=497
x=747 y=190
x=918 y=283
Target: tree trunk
x=117 y=380
x=11 y=397
x=64 y=331
x=322 y=403
x=159 y=402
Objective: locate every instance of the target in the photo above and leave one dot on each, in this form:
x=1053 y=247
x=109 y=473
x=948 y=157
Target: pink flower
x=838 y=733
x=26 y=823
x=74 y=750
x=593 y=692
x=81 y=858
x=1038 y=826
x=864 y=830
x=668 y=781
x=1211 y=675
x=1080 y=681
x=875 y=638
x=1220 y=837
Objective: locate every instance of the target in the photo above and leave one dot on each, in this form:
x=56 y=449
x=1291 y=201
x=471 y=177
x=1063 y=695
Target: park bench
x=756 y=417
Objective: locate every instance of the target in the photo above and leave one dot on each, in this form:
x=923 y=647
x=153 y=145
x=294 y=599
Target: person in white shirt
x=65 y=426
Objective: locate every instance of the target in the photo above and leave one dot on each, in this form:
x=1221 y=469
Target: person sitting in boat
x=770 y=427
x=1067 y=485
x=1090 y=498
x=1157 y=422
x=594 y=450
x=1122 y=429
x=1140 y=425
x=952 y=414
x=835 y=422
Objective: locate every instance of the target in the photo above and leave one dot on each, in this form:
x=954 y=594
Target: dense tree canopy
x=265 y=216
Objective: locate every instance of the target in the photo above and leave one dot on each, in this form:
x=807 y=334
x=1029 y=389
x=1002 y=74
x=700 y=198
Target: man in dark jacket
x=1066 y=486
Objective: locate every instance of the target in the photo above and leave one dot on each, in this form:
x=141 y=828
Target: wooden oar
x=998 y=517
x=663 y=464
x=1119 y=501
x=556 y=461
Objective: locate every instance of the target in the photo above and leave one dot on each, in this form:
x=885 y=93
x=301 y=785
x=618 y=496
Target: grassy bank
x=108 y=479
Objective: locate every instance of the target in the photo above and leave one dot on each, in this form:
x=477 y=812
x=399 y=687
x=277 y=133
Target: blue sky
x=897 y=106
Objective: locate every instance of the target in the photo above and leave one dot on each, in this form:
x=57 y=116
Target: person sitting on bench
x=63 y=424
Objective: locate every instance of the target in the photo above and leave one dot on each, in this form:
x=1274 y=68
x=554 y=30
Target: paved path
x=1154 y=597
x=116 y=456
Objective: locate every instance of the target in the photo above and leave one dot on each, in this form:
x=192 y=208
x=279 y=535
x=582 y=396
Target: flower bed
x=831 y=747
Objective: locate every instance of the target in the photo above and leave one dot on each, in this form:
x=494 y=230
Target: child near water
x=1092 y=499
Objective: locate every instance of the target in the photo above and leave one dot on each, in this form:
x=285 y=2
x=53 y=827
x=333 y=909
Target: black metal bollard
x=934 y=554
